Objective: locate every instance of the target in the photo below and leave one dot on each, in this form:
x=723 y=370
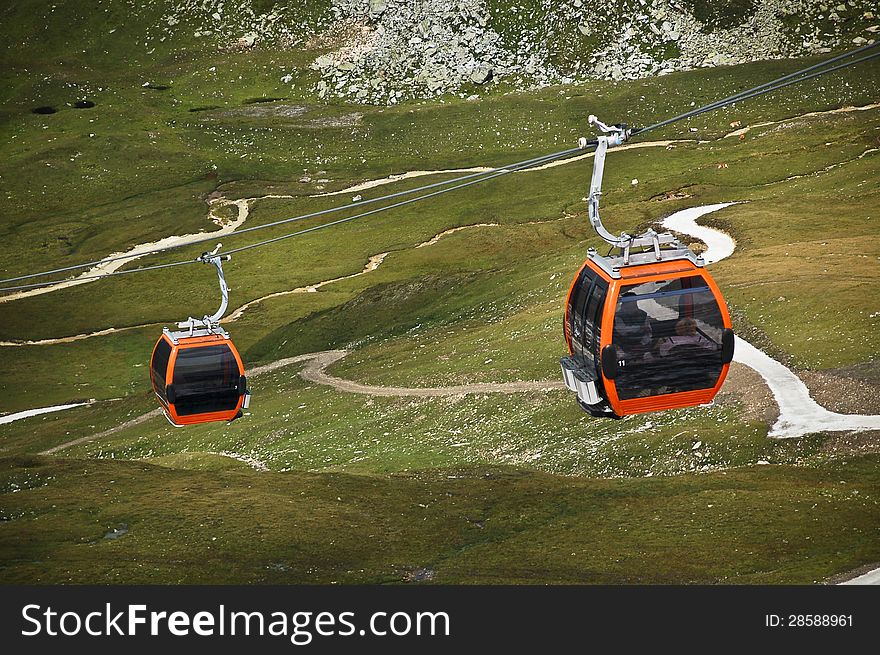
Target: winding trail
x=142 y=249
x=372 y=264
x=453 y=230
x=799 y=414
x=719 y=245
x=315 y=371
x=840 y=110
x=75 y=337
x=243 y=206
x=137 y=420
x=391 y=179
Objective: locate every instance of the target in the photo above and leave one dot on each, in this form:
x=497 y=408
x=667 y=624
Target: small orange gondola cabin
x=645 y=335
x=198 y=377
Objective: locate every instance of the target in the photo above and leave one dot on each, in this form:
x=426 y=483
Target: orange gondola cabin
x=647 y=336
x=198 y=379
x=196 y=372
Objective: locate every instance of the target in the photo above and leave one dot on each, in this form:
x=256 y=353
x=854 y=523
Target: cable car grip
x=615 y=135
x=211 y=324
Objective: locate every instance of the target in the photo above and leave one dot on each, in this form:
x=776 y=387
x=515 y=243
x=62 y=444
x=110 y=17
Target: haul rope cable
x=778 y=83
x=400 y=203
x=767 y=87
x=796 y=77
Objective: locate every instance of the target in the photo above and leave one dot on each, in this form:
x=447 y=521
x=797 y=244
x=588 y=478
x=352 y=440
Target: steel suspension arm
x=217 y=260
x=617 y=136
x=211 y=322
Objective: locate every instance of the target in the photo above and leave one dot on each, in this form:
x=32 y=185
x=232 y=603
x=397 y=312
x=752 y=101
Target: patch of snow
x=718 y=244
x=871 y=577
x=799 y=414
x=17 y=416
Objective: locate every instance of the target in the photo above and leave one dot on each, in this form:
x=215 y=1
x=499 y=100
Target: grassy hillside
x=501 y=488
x=109 y=522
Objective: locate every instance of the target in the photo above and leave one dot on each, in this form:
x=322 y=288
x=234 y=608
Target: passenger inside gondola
x=686 y=336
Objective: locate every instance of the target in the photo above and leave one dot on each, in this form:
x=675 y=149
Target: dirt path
x=372 y=264
x=812 y=114
x=315 y=371
x=391 y=179
x=243 y=204
x=106 y=433
x=799 y=414
x=141 y=250
x=75 y=337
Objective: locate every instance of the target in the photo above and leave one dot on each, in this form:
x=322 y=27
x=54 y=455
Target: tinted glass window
x=159 y=366
x=593 y=319
x=578 y=301
x=205 y=380
x=668 y=335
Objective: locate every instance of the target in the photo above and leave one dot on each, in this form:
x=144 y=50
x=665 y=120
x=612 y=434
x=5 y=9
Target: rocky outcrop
x=413 y=49
x=406 y=49
x=386 y=51
x=239 y=24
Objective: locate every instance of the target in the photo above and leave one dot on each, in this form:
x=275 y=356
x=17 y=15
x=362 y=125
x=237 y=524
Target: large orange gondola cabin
x=646 y=336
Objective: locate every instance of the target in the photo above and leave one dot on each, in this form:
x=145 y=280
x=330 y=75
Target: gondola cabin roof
x=646 y=263
x=195 y=337
x=192 y=342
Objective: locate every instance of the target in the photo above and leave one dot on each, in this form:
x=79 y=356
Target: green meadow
x=493 y=488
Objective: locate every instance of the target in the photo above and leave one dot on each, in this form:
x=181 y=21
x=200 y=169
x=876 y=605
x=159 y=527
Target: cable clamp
x=619 y=132
x=209 y=257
